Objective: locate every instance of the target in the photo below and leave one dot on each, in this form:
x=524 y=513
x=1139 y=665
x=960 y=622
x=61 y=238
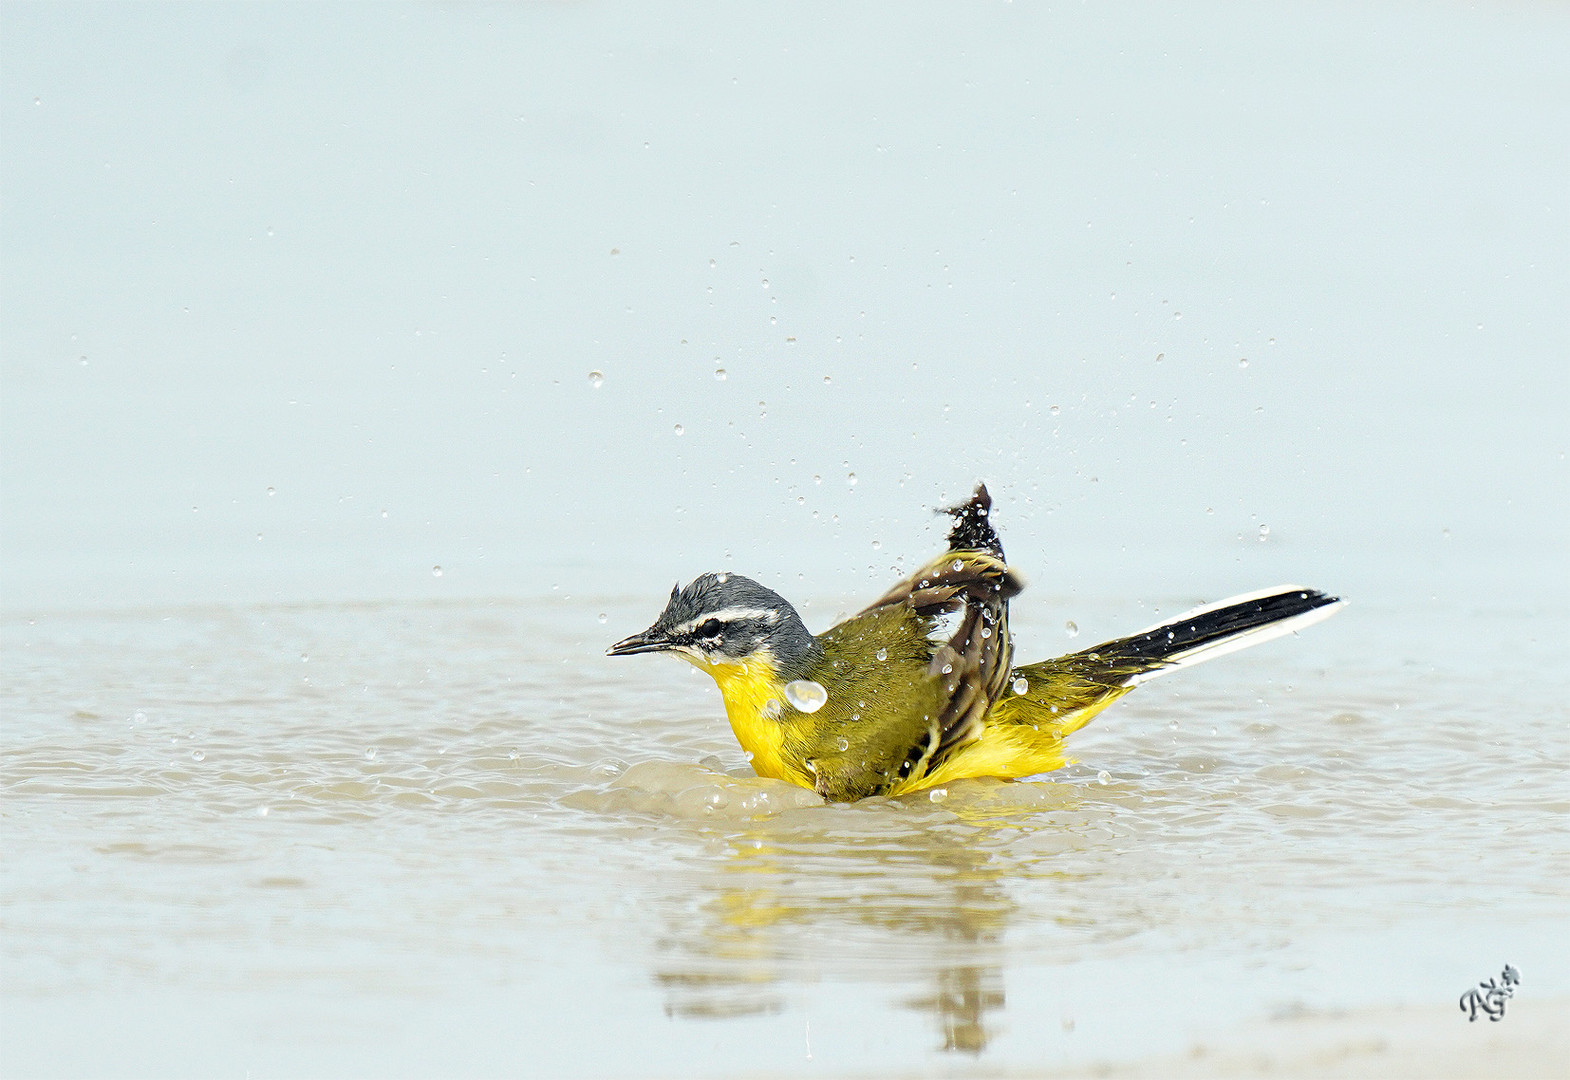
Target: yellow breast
x=753 y=692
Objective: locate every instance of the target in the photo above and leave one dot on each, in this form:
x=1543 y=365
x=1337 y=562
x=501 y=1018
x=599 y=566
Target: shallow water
x=454 y=837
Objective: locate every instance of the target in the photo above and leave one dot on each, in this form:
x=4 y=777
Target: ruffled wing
x=973 y=663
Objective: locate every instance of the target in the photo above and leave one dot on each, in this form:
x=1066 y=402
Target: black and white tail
x=1217 y=629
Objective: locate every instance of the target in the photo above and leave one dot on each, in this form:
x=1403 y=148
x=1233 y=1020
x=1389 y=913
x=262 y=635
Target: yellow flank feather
x=1023 y=737
x=1003 y=752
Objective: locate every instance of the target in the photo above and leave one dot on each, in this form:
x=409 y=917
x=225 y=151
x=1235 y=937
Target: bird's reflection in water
x=905 y=893
x=728 y=969
x=967 y=990
x=964 y=996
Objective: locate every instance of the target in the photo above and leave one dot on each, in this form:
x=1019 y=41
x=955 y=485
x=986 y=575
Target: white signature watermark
x=1489 y=997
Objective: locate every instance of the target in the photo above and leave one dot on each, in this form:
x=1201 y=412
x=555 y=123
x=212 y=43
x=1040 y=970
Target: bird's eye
x=711 y=628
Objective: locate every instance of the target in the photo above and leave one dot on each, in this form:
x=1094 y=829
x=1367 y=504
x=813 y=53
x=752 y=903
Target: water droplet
x=596 y=379
x=719 y=374
x=1103 y=777
x=1242 y=363
x=197 y=755
x=1021 y=685
x=680 y=430
x=272 y=491
x=771 y=709
x=851 y=480
x=1264 y=534
x=986 y=632
x=876 y=544
x=883 y=654
x=827 y=381
x=938 y=794
x=958 y=564
x=948 y=669
x=806 y=695
x=1054 y=410
x=436 y=571
x=1071 y=628
x=842 y=744
x=602 y=618
x=370 y=753
x=263 y=811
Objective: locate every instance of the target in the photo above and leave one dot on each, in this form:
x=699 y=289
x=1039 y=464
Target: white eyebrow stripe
x=727 y=615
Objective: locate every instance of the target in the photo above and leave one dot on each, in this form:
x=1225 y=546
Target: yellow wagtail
x=920 y=688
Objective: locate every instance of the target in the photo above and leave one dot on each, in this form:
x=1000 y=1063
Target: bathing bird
x=921 y=689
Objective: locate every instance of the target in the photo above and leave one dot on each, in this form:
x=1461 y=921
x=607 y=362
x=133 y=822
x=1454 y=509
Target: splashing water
x=806 y=695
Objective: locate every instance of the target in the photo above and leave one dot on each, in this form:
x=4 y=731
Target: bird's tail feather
x=1220 y=628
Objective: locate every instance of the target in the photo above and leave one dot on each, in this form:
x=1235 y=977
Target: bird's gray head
x=726 y=619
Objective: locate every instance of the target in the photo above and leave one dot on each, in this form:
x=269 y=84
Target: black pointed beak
x=648 y=641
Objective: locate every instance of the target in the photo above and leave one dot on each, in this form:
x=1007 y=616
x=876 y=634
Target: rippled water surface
x=397 y=839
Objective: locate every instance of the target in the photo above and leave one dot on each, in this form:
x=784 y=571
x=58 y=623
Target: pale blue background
x=366 y=256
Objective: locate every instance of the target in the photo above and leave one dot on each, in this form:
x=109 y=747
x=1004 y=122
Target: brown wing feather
x=970 y=578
